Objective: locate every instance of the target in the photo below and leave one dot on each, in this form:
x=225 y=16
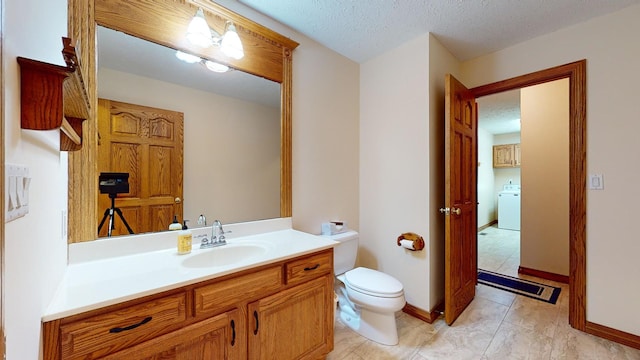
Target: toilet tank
x=344 y=255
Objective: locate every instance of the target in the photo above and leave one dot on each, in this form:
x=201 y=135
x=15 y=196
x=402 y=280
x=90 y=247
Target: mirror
x=231 y=150
x=267 y=55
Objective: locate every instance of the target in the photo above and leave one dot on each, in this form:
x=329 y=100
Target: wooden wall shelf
x=54 y=97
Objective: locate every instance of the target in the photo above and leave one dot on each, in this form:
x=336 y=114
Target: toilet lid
x=373 y=282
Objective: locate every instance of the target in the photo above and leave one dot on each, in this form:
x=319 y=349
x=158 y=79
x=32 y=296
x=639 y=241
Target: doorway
x=499 y=182
x=576 y=73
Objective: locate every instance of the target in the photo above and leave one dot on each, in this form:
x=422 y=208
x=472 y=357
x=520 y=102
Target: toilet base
x=380 y=328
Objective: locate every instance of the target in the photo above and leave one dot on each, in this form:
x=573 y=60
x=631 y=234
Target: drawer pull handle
x=233 y=333
x=312 y=268
x=116 y=330
x=255 y=316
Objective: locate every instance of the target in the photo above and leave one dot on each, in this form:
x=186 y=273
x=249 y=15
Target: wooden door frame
x=576 y=73
x=2 y=184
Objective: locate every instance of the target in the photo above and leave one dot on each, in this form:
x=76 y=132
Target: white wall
x=325 y=138
x=35 y=248
x=401 y=164
x=394 y=164
x=325 y=130
x=487 y=211
x=610 y=45
x=231 y=147
x=544 y=237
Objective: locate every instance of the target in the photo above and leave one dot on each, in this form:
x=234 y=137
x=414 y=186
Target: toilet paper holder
x=411 y=241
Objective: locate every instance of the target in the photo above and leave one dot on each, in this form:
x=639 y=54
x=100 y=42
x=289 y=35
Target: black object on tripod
x=113 y=184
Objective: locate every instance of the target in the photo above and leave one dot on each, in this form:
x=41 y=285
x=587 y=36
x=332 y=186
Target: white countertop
x=92 y=282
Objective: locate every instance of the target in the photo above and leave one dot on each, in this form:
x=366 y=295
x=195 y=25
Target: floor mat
x=518 y=286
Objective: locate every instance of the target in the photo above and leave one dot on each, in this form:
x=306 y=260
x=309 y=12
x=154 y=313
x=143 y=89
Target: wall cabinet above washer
x=506 y=156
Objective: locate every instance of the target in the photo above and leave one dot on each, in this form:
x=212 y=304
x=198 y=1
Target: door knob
x=456 y=211
x=177 y=200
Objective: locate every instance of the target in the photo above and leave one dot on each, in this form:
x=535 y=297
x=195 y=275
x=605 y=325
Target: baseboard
x=613 y=335
x=488 y=225
x=426 y=316
x=543 y=275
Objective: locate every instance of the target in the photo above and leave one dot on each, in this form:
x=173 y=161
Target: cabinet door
x=516 y=154
x=220 y=337
x=503 y=156
x=294 y=324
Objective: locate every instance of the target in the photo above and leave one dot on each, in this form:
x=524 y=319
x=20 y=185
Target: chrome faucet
x=217 y=236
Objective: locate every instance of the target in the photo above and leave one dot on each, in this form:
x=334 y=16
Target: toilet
x=367 y=299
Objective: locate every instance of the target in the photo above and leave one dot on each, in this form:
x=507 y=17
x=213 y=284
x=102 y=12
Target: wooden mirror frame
x=267 y=54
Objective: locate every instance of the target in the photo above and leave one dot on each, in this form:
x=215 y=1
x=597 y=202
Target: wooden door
x=146 y=143
x=293 y=323
x=460 y=198
x=211 y=339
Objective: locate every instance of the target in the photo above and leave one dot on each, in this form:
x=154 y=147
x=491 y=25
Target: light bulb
x=216 y=67
x=198 y=32
x=188 y=58
x=231 y=44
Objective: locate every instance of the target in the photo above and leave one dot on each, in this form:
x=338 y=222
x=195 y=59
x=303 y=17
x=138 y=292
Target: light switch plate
x=17 y=182
x=596 y=182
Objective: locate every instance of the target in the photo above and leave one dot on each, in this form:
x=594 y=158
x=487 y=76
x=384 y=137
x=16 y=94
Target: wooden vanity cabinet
x=277 y=311
x=214 y=338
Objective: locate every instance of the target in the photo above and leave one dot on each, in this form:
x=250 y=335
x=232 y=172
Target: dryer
x=509 y=207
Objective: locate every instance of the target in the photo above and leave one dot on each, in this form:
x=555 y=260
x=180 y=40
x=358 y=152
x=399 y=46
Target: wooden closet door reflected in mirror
x=147 y=144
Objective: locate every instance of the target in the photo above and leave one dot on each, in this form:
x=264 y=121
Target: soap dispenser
x=175 y=225
x=184 y=239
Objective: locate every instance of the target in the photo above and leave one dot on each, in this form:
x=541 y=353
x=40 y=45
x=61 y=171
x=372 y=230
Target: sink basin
x=224 y=255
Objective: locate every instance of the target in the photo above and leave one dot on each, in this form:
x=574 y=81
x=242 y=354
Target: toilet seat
x=373 y=282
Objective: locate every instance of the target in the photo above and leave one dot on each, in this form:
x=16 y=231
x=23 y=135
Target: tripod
x=109 y=212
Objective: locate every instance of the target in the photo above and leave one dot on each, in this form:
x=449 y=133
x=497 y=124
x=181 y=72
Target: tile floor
x=496 y=325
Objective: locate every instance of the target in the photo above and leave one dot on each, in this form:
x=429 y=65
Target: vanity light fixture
x=199 y=33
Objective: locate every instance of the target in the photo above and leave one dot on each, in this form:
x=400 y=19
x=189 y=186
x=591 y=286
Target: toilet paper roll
x=407 y=244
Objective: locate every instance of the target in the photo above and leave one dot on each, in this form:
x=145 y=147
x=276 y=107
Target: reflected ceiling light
x=216 y=67
x=199 y=33
x=188 y=58
x=231 y=44
x=211 y=65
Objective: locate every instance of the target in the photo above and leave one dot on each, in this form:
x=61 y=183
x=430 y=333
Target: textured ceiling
x=500 y=113
x=363 y=29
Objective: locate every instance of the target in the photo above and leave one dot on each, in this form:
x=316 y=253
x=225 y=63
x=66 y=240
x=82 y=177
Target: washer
x=509 y=207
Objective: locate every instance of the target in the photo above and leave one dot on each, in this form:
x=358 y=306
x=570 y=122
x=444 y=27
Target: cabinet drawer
x=220 y=295
x=309 y=267
x=103 y=334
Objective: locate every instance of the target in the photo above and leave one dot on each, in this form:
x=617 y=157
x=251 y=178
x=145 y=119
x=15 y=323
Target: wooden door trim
x=2 y=184
x=576 y=73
